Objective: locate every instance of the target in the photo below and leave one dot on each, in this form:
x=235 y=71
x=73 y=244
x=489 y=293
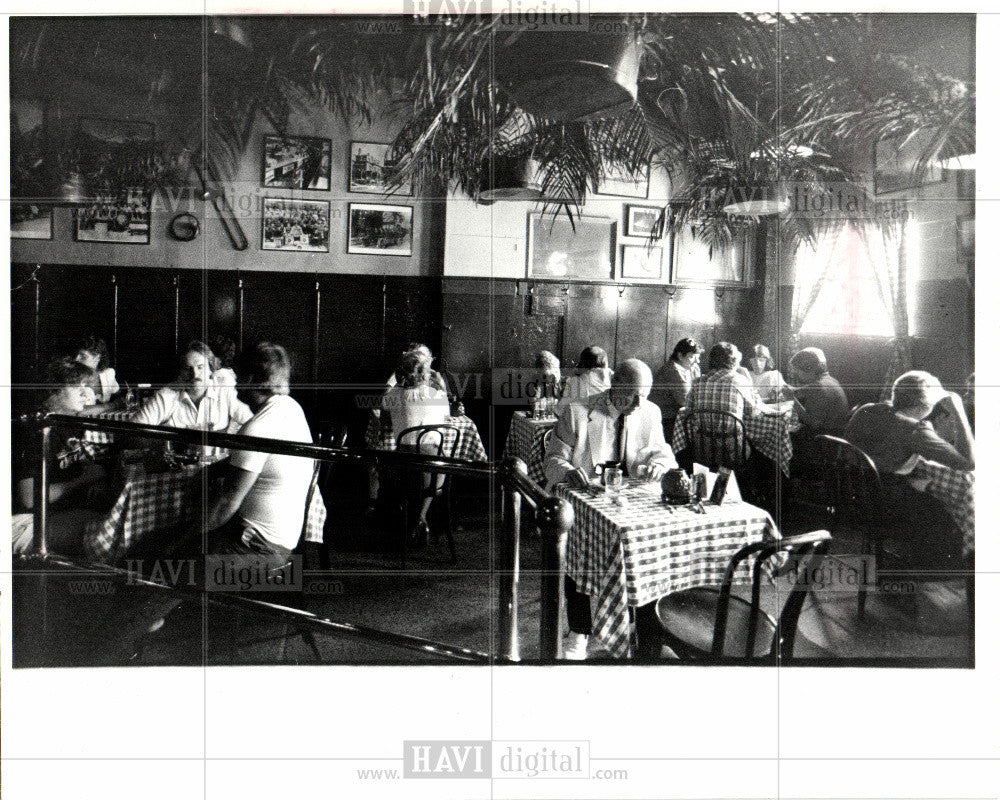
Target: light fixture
x=757 y=201
x=509 y=178
x=573 y=77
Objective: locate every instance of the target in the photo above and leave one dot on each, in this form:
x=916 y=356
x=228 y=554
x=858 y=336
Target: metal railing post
x=510 y=561
x=41 y=493
x=555 y=517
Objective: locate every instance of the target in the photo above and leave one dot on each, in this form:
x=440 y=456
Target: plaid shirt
x=724 y=390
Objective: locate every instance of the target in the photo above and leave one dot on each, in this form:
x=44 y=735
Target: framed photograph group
x=116 y=219
x=698 y=262
x=297 y=162
x=644 y=221
x=301 y=225
x=383 y=230
x=30 y=220
x=618 y=182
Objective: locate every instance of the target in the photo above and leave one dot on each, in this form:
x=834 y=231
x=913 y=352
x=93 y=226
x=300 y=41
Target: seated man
x=819 y=398
x=892 y=434
x=260 y=505
x=619 y=424
x=195 y=399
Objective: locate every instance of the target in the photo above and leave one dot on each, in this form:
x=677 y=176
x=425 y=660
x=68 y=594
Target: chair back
x=805 y=552
x=313 y=488
x=717 y=439
x=853 y=485
x=435 y=440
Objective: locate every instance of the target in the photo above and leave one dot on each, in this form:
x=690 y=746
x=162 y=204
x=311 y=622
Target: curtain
x=886 y=249
x=810 y=275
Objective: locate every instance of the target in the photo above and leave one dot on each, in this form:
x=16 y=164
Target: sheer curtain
x=810 y=277
x=887 y=252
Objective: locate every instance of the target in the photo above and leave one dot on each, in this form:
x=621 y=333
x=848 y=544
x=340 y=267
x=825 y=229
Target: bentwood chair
x=711 y=623
x=717 y=439
x=434 y=440
x=854 y=491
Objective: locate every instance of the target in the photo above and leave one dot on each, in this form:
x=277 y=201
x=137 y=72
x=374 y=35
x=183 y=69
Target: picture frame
x=381 y=230
x=30 y=220
x=616 y=182
x=368 y=163
x=582 y=251
x=695 y=262
x=297 y=162
x=114 y=219
x=115 y=156
x=893 y=166
x=642 y=263
x=295 y=225
x=644 y=221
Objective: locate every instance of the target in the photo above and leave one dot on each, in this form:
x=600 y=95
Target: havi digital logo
x=446 y=759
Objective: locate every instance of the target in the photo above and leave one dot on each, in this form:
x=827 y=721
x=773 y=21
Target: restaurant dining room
x=628 y=339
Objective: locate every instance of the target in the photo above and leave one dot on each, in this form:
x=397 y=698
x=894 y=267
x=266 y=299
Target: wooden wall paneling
x=642 y=324
x=146 y=324
x=591 y=319
x=25 y=293
x=75 y=301
x=412 y=314
x=208 y=306
x=349 y=366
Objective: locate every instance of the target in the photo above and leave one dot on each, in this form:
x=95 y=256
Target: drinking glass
x=613 y=480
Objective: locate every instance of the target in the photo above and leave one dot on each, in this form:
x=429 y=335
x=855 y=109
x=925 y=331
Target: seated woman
x=593 y=377
x=413 y=401
x=225 y=358
x=195 y=399
x=548 y=382
x=892 y=434
x=672 y=382
x=766 y=379
x=73 y=476
x=93 y=352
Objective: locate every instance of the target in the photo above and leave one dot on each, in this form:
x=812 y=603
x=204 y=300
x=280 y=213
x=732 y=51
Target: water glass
x=613 y=480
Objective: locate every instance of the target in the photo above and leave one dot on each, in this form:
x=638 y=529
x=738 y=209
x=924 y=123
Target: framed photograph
x=113 y=154
x=644 y=221
x=30 y=220
x=642 y=263
x=557 y=250
x=894 y=164
x=302 y=225
x=297 y=162
x=380 y=230
x=619 y=183
x=697 y=262
x=370 y=165
x=31 y=156
x=122 y=219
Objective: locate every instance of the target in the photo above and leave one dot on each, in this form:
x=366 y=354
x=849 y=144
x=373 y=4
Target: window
x=850 y=299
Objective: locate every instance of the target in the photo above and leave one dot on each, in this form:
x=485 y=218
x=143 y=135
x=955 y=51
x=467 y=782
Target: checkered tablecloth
x=469 y=446
x=103 y=437
x=526 y=441
x=158 y=501
x=770 y=433
x=956 y=489
x=634 y=554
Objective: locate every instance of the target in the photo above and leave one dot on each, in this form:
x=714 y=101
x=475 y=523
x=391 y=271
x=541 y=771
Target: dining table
x=955 y=488
x=769 y=430
x=468 y=447
x=151 y=502
x=526 y=441
x=625 y=556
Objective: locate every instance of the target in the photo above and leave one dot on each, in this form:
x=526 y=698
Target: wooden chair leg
x=868 y=548
x=446 y=497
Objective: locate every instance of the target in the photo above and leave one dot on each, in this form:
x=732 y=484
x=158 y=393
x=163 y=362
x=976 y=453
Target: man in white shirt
x=195 y=400
x=261 y=504
x=621 y=425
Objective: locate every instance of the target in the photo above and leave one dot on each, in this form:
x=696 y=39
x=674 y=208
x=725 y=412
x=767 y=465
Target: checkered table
x=469 y=446
x=634 y=554
x=526 y=441
x=768 y=432
x=956 y=489
x=103 y=437
x=158 y=501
